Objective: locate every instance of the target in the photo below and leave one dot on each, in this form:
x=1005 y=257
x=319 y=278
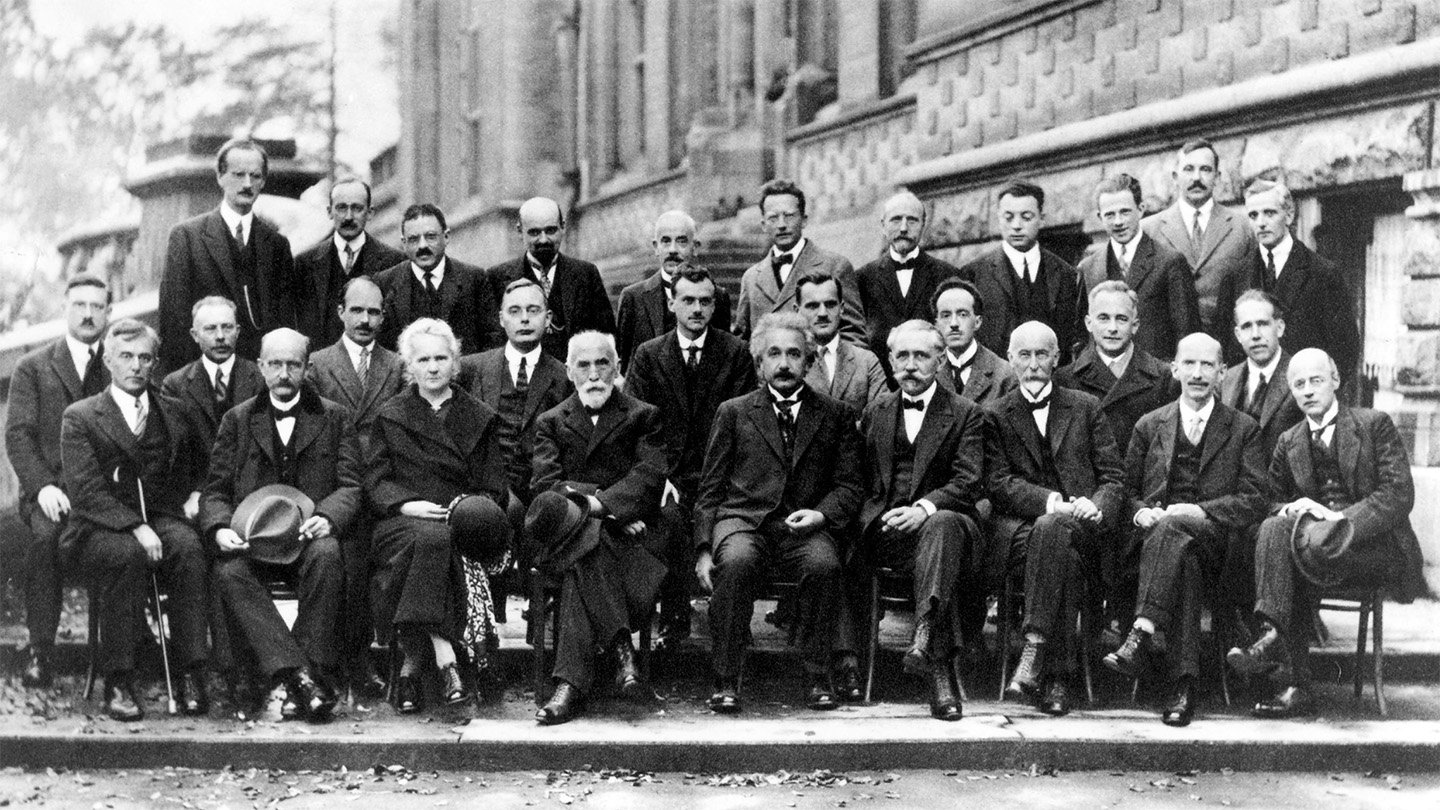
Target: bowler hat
x=478 y=528
x=559 y=528
x=269 y=519
x=1317 y=546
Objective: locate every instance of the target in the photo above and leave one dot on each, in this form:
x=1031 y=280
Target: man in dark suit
x=1311 y=290
x=846 y=371
x=1257 y=386
x=119 y=452
x=609 y=445
x=687 y=373
x=1161 y=278
x=204 y=389
x=286 y=435
x=769 y=285
x=1343 y=476
x=228 y=252
x=1212 y=238
x=900 y=285
x=923 y=460
x=968 y=368
x=359 y=373
x=347 y=253
x=781 y=481
x=574 y=292
x=1022 y=281
x=1194 y=471
x=46 y=381
x=1056 y=484
x=645 y=311
x=1129 y=381
x=433 y=285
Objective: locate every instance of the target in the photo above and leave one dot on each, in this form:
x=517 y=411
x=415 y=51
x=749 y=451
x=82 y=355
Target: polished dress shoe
x=820 y=696
x=37 y=674
x=312 y=696
x=452 y=686
x=1292 y=701
x=563 y=706
x=726 y=698
x=1181 y=708
x=408 y=699
x=944 y=701
x=1124 y=659
x=1056 y=701
x=1268 y=654
x=190 y=693
x=1026 y=679
x=120 y=702
x=627 y=673
x=916 y=661
x=848 y=685
x=290 y=706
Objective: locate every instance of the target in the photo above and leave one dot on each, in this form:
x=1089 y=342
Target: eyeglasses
x=417 y=238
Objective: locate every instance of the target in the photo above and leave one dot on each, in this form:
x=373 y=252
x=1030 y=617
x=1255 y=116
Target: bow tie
x=786 y=404
x=592 y=412
x=1039 y=404
x=908 y=264
x=916 y=404
x=277 y=414
x=781 y=260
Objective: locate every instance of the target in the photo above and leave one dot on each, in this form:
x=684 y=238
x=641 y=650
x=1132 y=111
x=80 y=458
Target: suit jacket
x=885 y=308
x=95 y=442
x=578 y=301
x=1319 y=310
x=1168 y=306
x=467 y=303
x=43 y=386
x=1278 y=411
x=949 y=455
x=658 y=376
x=190 y=387
x=199 y=262
x=1081 y=448
x=991 y=377
x=1231 y=483
x=747 y=476
x=858 y=379
x=327 y=460
x=333 y=377
x=1146 y=385
x=1000 y=289
x=1225 y=253
x=486 y=376
x=761 y=293
x=320 y=278
x=645 y=315
x=1375 y=471
x=412 y=458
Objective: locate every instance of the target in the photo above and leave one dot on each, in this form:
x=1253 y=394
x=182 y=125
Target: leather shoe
x=120 y=702
x=849 y=687
x=1026 y=679
x=1123 y=660
x=408 y=699
x=1268 y=654
x=944 y=702
x=1292 y=701
x=366 y=682
x=1181 y=708
x=627 y=674
x=563 y=706
x=917 y=661
x=726 y=698
x=452 y=686
x=1056 y=702
x=313 y=697
x=37 y=672
x=821 y=694
x=290 y=706
x=191 y=697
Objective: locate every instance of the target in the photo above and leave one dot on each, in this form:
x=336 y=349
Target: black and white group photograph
x=720 y=403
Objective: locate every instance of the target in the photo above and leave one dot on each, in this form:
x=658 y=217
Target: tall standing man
x=846 y=371
x=645 y=306
x=349 y=252
x=1211 y=237
x=1161 y=278
x=900 y=285
x=770 y=285
x=968 y=368
x=45 y=383
x=574 y=292
x=228 y=252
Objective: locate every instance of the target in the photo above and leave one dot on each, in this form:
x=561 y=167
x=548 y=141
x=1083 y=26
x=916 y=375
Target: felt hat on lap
x=269 y=519
x=479 y=528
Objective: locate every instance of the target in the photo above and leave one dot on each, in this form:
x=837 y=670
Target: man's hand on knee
x=53 y=502
x=703 y=566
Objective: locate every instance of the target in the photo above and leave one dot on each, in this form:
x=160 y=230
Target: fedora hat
x=1318 y=545
x=269 y=519
x=559 y=529
x=478 y=528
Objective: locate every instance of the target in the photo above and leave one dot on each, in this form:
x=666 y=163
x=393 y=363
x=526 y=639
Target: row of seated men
x=693 y=460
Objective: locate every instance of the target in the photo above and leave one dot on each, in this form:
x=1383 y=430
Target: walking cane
x=159 y=611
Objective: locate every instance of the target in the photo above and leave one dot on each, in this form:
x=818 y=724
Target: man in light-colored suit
x=968 y=368
x=770 y=284
x=845 y=371
x=1215 y=240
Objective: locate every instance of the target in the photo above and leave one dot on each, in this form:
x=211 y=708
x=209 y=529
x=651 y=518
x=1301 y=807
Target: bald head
x=284 y=354
x=542 y=225
x=1198 y=367
x=283 y=341
x=674 y=240
x=1199 y=342
x=1314 y=380
x=903 y=220
x=1034 y=352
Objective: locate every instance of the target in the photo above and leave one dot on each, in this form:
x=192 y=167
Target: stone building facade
x=624 y=108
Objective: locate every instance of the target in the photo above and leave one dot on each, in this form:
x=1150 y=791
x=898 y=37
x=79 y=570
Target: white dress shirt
x=1125 y=252
x=1029 y=260
x=962 y=363
x=436 y=276
x=130 y=405
x=354 y=349
x=794 y=409
x=355 y=245
x=827 y=355
x=1281 y=253
x=1251 y=371
x=906 y=275
x=791 y=255
x=686 y=343
x=1041 y=415
x=1189 y=212
x=80 y=354
x=512 y=361
x=211 y=367
x=1327 y=436
x=1188 y=416
x=285 y=426
x=1119 y=363
x=233 y=218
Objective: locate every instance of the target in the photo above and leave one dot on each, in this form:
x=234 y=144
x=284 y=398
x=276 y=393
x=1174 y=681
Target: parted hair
x=1114 y=286
x=129 y=329
x=1022 y=188
x=957 y=283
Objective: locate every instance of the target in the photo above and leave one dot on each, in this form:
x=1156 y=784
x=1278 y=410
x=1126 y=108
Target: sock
x=410 y=657
x=1033 y=637
x=444 y=653
x=1145 y=625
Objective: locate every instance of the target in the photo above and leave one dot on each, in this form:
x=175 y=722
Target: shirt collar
x=1205 y=210
x=1281 y=252
x=80 y=351
x=793 y=252
x=1187 y=413
x=355 y=244
x=1268 y=369
x=210 y=365
x=908 y=257
x=233 y=218
x=965 y=356
x=1031 y=256
x=281 y=405
x=925 y=396
x=353 y=349
x=1327 y=419
x=535 y=263
x=1124 y=357
x=1044 y=392
x=686 y=343
x=435 y=275
x=513 y=355
x=1126 y=251
x=127 y=402
x=774 y=395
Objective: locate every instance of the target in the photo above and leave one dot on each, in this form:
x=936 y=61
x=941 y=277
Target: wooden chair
x=1370 y=604
x=880 y=597
x=545 y=606
x=1011 y=604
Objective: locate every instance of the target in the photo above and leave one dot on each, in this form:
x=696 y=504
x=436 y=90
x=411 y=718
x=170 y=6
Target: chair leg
x=1083 y=650
x=537 y=637
x=394 y=666
x=874 y=640
x=1377 y=651
x=92 y=641
x=642 y=655
x=1359 y=665
x=1002 y=634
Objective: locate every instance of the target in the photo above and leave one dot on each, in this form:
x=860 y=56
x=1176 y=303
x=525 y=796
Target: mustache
x=1198 y=185
x=424 y=251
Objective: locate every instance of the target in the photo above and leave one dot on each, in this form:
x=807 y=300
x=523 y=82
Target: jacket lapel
x=887 y=416
x=1219 y=227
x=654 y=300
x=1299 y=456
x=1022 y=422
x=1347 y=446
x=610 y=418
x=64 y=368
x=1276 y=392
x=1290 y=287
x=344 y=374
x=261 y=426
x=217 y=242
x=1172 y=224
x=805 y=427
x=1216 y=434
x=1141 y=263
x=762 y=413
x=938 y=419
x=545 y=377
x=114 y=424
x=844 y=369
x=200 y=390
x=1061 y=417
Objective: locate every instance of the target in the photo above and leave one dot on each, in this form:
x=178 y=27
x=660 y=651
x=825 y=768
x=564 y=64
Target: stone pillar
x=859 y=52
x=1417 y=375
x=660 y=58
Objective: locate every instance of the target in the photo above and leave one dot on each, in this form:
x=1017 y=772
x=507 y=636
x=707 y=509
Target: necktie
x=349 y=258
x=1252 y=406
x=692 y=356
x=957 y=370
x=220 y=391
x=240 y=233
x=362 y=368
x=786 y=416
x=823 y=355
x=1270 y=278
x=90 y=379
x=542 y=277
x=1318 y=434
x=1025 y=269
x=430 y=283
x=593 y=413
x=1195 y=429
x=522 y=374
x=1197 y=234
x=1124 y=263
x=912 y=404
x=141 y=414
